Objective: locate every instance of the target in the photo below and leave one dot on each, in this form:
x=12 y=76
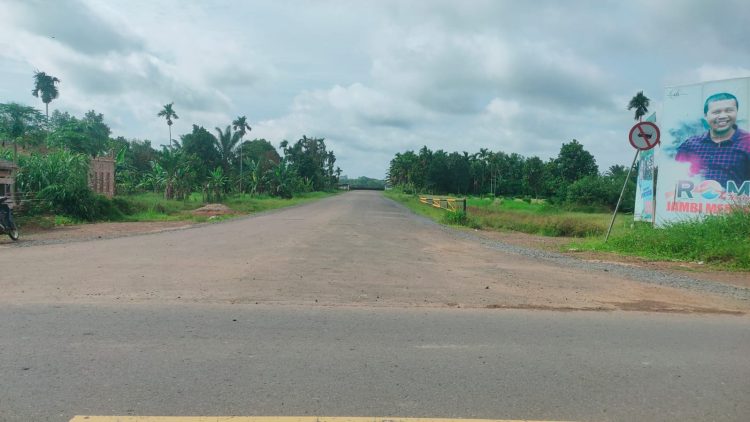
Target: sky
x=374 y=77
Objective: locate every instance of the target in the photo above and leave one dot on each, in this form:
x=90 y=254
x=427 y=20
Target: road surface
x=352 y=306
x=354 y=249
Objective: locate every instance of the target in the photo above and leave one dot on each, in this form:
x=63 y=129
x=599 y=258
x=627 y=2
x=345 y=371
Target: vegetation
x=363 y=182
x=571 y=180
x=640 y=103
x=54 y=151
x=520 y=214
x=20 y=125
x=45 y=86
x=718 y=240
x=168 y=113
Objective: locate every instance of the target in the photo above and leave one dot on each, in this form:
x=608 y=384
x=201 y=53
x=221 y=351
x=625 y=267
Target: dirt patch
x=656 y=306
x=94 y=231
x=549 y=308
x=212 y=210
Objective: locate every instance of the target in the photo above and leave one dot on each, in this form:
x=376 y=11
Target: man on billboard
x=723 y=152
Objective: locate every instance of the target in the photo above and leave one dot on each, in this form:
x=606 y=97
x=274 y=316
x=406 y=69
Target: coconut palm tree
x=640 y=103
x=240 y=125
x=168 y=113
x=45 y=86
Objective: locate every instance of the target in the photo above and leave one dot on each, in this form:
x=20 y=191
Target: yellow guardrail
x=446 y=203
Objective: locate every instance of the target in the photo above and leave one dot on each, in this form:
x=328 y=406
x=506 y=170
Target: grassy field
x=721 y=242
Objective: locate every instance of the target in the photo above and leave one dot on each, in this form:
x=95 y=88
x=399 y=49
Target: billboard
x=704 y=158
x=644 y=188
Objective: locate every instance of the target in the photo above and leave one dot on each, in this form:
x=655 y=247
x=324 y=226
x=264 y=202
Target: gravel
x=660 y=278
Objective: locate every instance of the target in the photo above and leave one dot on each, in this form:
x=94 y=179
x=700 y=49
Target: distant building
x=8 y=180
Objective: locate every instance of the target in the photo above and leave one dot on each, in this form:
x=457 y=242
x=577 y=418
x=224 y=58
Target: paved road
x=352 y=306
x=57 y=361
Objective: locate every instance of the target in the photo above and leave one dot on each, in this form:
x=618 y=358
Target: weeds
x=722 y=241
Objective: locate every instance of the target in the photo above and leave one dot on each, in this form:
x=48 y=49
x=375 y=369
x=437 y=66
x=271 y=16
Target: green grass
x=43 y=222
x=251 y=204
x=719 y=241
x=532 y=216
x=412 y=202
x=151 y=206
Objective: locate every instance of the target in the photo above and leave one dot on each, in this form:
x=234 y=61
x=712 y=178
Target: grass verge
x=722 y=242
x=145 y=207
x=534 y=217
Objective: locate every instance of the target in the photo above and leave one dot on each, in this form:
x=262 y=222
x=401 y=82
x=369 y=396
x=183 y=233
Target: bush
x=58 y=183
x=590 y=190
x=599 y=193
x=459 y=218
x=123 y=206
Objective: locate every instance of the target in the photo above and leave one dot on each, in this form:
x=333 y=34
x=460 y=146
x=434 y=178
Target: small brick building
x=102 y=176
x=8 y=180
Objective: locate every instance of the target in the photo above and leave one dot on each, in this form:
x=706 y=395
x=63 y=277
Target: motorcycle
x=6 y=219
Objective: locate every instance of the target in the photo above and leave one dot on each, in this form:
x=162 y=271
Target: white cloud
x=375 y=78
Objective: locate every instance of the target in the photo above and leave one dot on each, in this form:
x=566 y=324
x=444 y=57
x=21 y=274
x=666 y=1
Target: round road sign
x=644 y=136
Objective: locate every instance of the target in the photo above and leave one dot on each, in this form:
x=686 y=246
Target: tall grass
x=722 y=240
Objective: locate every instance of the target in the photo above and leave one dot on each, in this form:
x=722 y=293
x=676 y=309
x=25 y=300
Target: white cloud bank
x=375 y=78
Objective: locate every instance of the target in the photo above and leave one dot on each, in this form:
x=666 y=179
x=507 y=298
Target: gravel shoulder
x=557 y=245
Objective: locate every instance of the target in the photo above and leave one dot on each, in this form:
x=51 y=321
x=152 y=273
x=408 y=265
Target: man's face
x=721 y=115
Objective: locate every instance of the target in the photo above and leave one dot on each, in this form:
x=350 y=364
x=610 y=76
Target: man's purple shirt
x=727 y=160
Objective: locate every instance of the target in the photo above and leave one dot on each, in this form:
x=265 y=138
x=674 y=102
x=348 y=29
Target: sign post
x=643 y=136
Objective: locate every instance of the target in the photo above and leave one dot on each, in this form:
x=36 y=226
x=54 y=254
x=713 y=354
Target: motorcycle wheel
x=13 y=232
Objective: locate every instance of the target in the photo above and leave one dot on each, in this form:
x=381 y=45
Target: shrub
x=58 y=183
x=459 y=218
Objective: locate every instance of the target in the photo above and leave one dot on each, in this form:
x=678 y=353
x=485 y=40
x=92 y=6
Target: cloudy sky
x=375 y=77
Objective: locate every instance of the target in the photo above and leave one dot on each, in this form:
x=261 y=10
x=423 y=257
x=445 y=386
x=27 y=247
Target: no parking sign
x=644 y=136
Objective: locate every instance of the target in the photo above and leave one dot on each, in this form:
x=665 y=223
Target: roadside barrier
x=448 y=204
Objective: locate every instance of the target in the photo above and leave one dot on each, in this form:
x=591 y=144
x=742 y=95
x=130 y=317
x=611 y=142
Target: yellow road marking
x=272 y=419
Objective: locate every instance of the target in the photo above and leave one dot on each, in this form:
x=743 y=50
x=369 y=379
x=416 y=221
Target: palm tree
x=45 y=85
x=240 y=125
x=640 y=103
x=168 y=113
x=225 y=144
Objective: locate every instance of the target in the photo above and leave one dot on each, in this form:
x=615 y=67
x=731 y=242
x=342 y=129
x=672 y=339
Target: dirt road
x=356 y=249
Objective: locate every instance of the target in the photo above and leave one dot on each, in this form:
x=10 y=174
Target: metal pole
x=240 y=167
x=611 y=223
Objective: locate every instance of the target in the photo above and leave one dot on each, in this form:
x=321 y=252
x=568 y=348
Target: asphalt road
x=59 y=361
x=351 y=306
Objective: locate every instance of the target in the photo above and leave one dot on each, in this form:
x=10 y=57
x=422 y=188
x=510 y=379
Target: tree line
x=571 y=178
x=51 y=147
